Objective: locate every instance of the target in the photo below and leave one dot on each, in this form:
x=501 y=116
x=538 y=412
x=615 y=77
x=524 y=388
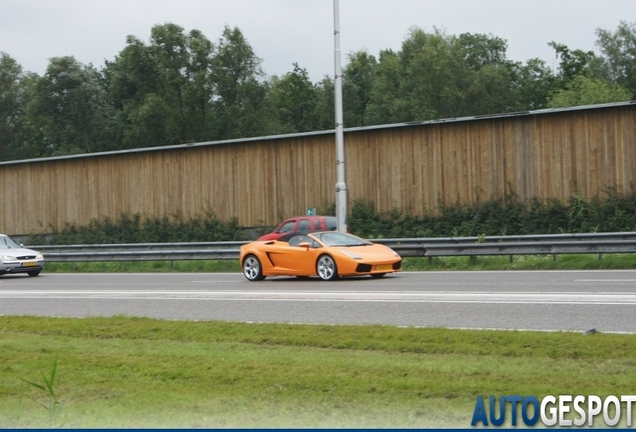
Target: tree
x=11 y=106
x=583 y=90
x=164 y=89
x=358 y=76
x=532 y=83
x=325 y=112
x=447 y=76
x=240 y=100
x=69 y=110
x=434 y=76
x=619 y=49
x=386 y=103
x=575 y=63
x=294 y=100
x=489 y=75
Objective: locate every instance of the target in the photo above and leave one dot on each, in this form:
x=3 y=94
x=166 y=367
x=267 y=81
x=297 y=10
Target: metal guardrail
x=551 y=244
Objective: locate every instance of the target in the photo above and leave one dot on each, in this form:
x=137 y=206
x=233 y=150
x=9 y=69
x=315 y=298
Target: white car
x=14 y=258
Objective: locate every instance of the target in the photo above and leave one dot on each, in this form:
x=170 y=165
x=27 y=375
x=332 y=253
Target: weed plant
x=53 y=404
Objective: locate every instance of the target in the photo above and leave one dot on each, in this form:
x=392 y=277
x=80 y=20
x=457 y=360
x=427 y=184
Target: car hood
x=367 y=252
x=18 y=252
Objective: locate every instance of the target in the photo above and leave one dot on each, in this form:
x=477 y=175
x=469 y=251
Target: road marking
x=604 y=280
x=335 y=296
x=214 y=281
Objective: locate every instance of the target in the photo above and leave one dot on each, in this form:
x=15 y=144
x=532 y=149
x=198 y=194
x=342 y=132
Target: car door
x=295 y=259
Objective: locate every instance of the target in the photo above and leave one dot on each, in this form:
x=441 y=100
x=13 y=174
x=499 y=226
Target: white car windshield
x=8 y=243
x=334 y=238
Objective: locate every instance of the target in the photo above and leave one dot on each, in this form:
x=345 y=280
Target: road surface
x=523 y=300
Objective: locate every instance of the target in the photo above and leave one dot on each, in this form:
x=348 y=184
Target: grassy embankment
x=133 y=372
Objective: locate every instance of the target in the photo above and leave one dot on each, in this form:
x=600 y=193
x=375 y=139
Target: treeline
x=509 y=215
x=180 y=87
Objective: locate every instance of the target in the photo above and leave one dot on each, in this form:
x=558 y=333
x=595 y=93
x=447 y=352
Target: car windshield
x=334 y=238
x=8 y=243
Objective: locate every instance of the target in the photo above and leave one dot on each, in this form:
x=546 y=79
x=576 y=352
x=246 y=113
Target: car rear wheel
x=252 y=268
x=34 y=273
x=326 y=268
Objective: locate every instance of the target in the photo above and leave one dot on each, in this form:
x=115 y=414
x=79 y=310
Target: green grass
x=518 y=262
x=137 y=372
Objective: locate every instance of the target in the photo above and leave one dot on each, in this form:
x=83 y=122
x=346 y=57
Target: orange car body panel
x=278 y=258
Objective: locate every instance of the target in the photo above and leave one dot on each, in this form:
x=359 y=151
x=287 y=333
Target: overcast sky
x=283 y=32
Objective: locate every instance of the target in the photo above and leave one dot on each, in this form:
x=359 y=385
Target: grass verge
x=517 y=262
x=138 y=372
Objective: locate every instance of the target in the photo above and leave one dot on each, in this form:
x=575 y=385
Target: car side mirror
x=305 y=245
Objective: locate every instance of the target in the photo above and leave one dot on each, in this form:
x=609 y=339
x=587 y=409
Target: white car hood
x=18 y=252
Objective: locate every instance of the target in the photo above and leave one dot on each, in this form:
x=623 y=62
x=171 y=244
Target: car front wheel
x=326 y=268
x=252 y=268
x=33 y=273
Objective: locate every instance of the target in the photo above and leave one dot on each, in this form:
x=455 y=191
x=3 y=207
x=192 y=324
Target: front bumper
x=9 y=267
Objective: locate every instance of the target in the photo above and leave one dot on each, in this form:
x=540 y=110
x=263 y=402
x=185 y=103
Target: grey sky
x=283 y=32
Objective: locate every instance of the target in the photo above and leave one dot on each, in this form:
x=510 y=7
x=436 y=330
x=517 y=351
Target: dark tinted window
x=287 y=226
x=304 y=225
x=331 y=223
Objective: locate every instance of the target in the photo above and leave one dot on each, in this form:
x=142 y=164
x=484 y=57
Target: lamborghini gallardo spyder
x=326 y=254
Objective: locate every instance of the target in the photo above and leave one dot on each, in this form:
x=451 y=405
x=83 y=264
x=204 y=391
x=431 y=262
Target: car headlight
x=352 y=255
x=39 y=256
x=6 y=258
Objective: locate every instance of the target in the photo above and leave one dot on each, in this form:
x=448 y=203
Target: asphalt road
x=532 y=300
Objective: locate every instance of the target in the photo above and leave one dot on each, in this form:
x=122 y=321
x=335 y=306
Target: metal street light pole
x=341 y=187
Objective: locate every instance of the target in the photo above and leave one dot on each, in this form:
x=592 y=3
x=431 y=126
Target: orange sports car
x=327 y=254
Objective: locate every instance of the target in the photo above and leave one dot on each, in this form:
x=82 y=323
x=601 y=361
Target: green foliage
x=69 y=110
x=614 y=212
x=619 y=50
x=587 y=91
x=503 y=216
x=357 y=82
x=239 y=106
x=294 y=99
x=135 y=229
x=12 y=100
x=180 y=87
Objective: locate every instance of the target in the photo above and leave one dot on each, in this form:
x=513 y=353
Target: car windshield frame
x=7 y=242
x=336 y=238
